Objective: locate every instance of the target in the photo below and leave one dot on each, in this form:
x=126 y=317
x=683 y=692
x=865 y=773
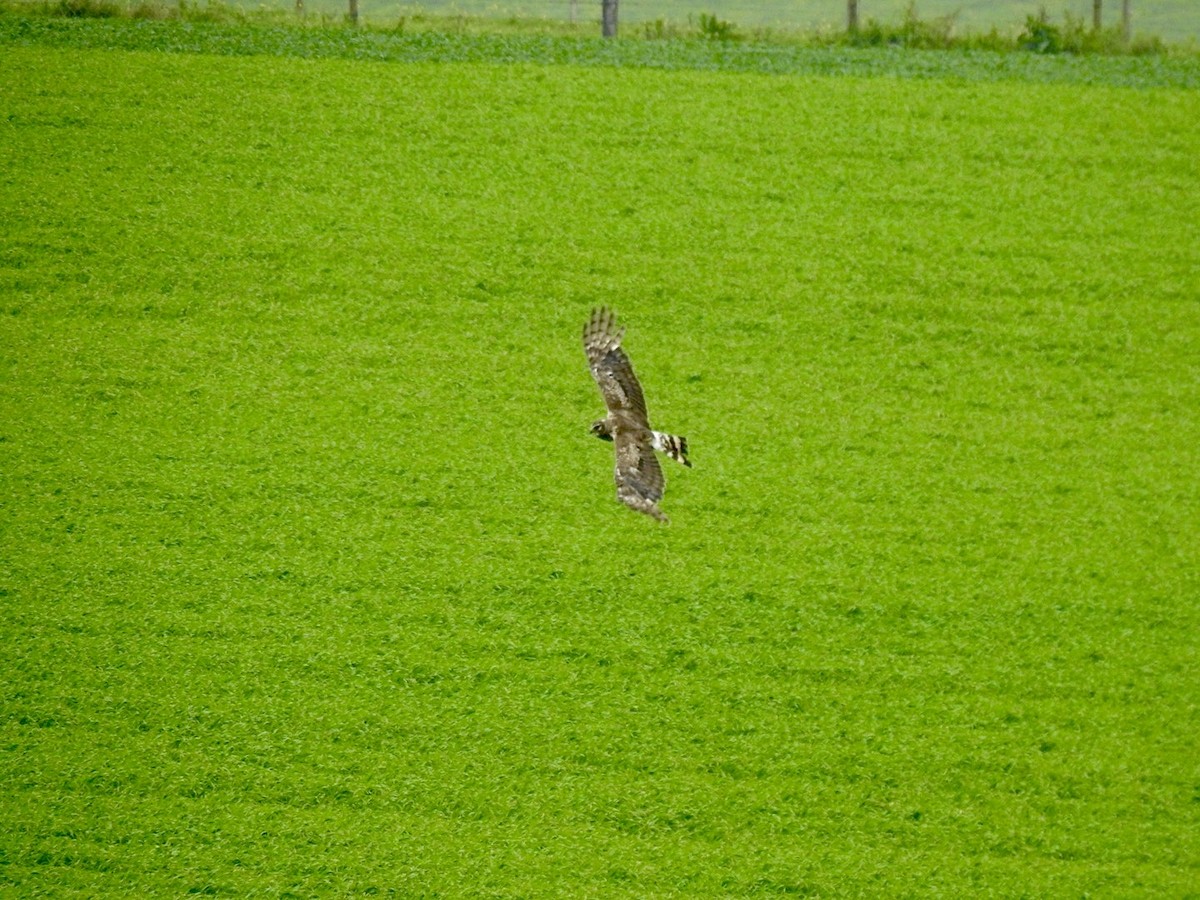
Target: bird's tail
x=675 y=446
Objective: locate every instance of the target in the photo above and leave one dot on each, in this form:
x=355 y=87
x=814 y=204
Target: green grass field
x=312 y=582
x=1172 y=20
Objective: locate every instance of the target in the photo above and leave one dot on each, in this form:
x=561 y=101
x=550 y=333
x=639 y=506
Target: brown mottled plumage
x=638 y=475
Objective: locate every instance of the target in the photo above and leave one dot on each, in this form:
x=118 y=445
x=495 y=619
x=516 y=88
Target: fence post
x=1097 y=18
x=608 y=18
x=852 y=16
x=353 y=12
x=1126 y=29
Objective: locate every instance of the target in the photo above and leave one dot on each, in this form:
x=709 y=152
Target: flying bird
x=638 y=475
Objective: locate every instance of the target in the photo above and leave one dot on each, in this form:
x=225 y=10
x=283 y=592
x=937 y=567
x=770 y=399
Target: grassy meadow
x=1172 y=20
x=313 y=583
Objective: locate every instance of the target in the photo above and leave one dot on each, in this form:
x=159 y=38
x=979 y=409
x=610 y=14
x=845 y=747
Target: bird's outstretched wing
x=611 y=367
x=639 y=477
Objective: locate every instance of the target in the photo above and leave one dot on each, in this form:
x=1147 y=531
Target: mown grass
x=313 y=581
x=1039 y=33
x=454 y=45
x=1174 y=21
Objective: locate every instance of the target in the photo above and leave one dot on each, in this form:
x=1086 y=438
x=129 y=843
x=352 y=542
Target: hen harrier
x=638 y=474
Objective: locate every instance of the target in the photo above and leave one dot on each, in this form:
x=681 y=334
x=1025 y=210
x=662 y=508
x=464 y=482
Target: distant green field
x=1173 y=20
x=312 y=582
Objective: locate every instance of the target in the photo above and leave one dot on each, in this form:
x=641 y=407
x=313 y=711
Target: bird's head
x=601 y=430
